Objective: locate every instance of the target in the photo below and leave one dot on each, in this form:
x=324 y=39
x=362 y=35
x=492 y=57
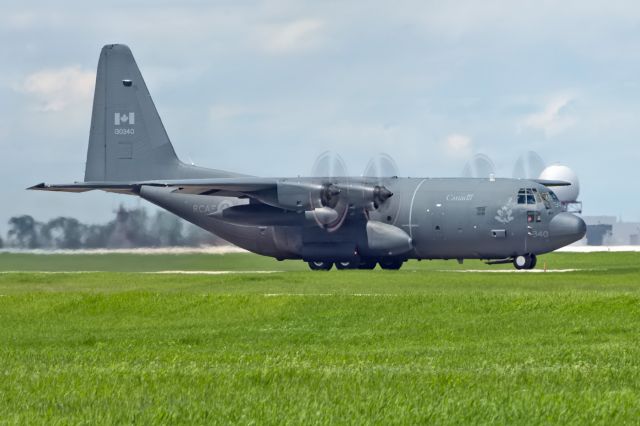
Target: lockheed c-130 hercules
x=350 y=222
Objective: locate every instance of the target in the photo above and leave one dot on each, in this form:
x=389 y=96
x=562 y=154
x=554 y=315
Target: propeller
x=333 y=194
x=381 y=166
x=329 y=210
x=480 y=166
x=329 y=165
x=528 y=166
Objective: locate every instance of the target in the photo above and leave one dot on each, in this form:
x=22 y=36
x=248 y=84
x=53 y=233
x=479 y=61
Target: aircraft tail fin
x=127 y=140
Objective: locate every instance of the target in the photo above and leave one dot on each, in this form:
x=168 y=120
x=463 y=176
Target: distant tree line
x=130 y=228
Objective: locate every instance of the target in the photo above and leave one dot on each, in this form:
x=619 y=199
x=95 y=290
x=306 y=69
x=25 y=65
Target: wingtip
x=41 y=185
x=546 y=182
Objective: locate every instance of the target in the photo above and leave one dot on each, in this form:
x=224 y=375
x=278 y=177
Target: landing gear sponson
x=324 y=265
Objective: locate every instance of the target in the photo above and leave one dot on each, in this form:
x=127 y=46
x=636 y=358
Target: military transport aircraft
x=349 y=222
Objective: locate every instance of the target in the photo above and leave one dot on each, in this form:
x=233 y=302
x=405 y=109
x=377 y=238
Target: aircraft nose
x=568 y=227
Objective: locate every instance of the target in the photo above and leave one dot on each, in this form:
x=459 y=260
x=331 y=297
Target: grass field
x=427 y=344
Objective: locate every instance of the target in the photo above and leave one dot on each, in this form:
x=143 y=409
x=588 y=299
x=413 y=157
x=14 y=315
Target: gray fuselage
x=445 y=218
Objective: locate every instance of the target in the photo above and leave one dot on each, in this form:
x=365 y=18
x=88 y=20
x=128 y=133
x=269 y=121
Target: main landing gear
x=527 y=261
x=323 y=265
x=320 y=265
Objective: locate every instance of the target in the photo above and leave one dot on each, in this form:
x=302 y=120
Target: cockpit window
x=536 y=194
x=546 y=199
x=530 y=198
x=556 y=200
x=525 y=196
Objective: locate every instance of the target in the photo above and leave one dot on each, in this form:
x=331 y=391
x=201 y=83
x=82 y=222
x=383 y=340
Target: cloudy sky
x=263 y=87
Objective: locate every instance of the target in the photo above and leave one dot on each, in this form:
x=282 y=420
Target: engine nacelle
x=310 y=195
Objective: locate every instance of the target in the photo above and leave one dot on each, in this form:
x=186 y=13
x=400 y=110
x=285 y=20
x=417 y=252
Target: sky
x=264 y=87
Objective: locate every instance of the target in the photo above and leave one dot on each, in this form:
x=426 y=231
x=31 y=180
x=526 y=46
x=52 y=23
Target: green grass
x=422 y=345
x=250 y=262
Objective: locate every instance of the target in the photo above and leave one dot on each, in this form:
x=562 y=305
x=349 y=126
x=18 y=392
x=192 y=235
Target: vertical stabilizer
x=127 y=140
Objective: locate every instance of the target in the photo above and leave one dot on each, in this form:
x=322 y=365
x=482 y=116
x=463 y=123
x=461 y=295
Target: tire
x=525 y=261
x=367 y=264
x=320 y=265
x=391 y=264
x=520 y=262
x=347 y=265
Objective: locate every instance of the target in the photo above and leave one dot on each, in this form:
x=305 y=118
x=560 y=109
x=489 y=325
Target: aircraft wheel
x=391 y=264
x=527 y=261
x=347 y=265
x=367 y=264
x=320 y=265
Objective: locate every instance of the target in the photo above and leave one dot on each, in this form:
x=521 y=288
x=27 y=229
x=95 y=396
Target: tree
x=169 y=229
x=130 y=228
x=23 y=232
x=63 y=232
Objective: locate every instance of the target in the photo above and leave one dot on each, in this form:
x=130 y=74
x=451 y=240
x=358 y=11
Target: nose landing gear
x=527 y=261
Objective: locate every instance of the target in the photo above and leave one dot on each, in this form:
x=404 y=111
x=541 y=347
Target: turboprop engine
x=328 y=203
x=295 y=201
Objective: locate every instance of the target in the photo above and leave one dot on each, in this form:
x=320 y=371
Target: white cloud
x=57 y=89
x=20 y=20
x=458 y=146
x=295 y=36
x=554 y=119
x=33 y=19
x=221 y=113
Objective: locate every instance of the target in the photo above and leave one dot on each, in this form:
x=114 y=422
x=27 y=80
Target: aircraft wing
x=228 y=187
x=552 y=182
x=328 y=204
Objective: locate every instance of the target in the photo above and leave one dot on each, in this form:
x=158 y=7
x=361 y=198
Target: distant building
x=607 y=230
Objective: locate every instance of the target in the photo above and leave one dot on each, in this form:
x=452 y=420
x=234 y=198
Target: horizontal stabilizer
x=118 y=187
x=217 y=186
